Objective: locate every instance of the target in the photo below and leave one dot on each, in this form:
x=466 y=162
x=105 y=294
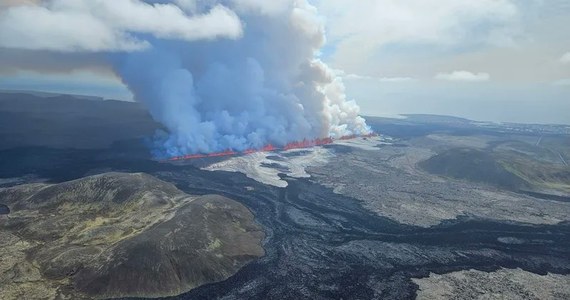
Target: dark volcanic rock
x=64 y=121
x=122 y=235
x=474 y=165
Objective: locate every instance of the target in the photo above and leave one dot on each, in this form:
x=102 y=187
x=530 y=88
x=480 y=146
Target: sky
x=489 y=60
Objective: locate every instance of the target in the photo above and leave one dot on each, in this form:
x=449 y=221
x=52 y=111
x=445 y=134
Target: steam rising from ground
x=268 y=167
x=219 y=74
x=264 y=87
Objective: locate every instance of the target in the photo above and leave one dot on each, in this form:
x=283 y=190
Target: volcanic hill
x=119 y=235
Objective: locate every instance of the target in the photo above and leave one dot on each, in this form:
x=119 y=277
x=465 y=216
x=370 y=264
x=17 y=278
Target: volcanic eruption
x=220 y=75
x=234 y=93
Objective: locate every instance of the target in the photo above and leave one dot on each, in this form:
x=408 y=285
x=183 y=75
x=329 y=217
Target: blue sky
x=495 y=60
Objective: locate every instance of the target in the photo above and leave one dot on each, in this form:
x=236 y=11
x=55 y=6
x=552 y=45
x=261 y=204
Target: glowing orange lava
x=270 y=148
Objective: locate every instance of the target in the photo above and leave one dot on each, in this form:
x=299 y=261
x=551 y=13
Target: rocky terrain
x=390 y=181
x=361 y=219
x=119 y=235
x=429 y=179
x=267 y=167
x=65 y=121
x=507 y=284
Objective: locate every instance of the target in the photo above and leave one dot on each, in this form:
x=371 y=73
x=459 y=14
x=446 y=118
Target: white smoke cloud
x=219 y=74
x=463 y=76
x=266 y=87
x=107 y=25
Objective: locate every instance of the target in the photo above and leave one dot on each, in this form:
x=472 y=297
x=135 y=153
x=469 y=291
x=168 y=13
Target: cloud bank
x=463 y=76
x=227 y=74
x=108 y=25
x=363 y=28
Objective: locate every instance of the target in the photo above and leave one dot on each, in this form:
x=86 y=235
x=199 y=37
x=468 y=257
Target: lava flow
x=270 y=148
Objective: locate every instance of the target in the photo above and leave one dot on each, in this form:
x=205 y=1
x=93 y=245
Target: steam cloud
x=243 y=74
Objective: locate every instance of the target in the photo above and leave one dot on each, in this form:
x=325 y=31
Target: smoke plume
x=263 y=87
x=218 y=74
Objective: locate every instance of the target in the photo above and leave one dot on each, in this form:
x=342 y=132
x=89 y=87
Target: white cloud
x=565 y=59
x=107 y=25
x=463 y=76
x=361 y=28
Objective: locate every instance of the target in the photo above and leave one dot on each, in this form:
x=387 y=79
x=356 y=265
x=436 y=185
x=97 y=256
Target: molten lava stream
x=270 y=148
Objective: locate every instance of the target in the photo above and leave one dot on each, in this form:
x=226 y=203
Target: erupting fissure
x=270 y=148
